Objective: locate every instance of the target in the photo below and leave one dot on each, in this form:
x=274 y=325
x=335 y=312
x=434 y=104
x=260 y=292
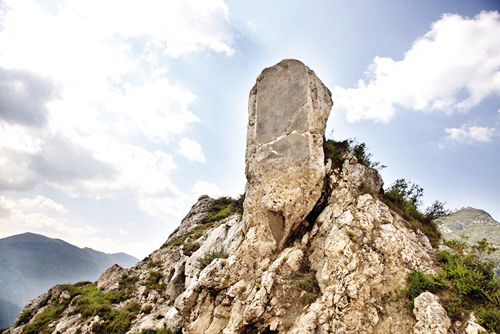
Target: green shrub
x=147 y=309
x=419 y=282
x=207 y=258
x=470 y=283
x=405 y=198
x=153 y=282
x=305 y=279
x=489 y=317
x=82 y=284
x=25 y=317
x=42 y=320
x=191 y=247
x=336 y=151
x=126 y=286
x=222 y=208
x=117 y=321
x=72 y=289
x=94 y=302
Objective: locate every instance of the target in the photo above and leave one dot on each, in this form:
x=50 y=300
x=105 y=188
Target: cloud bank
x=80 y=79
x=453 y=67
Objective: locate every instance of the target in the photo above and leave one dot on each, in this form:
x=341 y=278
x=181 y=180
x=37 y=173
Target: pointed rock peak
x=288 y=110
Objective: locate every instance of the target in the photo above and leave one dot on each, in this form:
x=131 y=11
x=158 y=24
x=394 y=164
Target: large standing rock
x=285 y=169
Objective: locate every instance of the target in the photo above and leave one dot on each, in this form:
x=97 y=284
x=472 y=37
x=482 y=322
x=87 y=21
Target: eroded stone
x=288 y=109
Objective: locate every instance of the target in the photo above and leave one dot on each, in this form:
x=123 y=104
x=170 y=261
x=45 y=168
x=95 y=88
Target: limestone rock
x=431 y=315
x=288 y=110
x=316 y=251
x=109 y=279
x=195 y=216
x=473 y=327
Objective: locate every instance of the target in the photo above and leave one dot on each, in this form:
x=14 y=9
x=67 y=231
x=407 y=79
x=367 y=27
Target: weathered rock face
x=195 y=216
x=109 y=279
x=288 y=110
x=316 y=251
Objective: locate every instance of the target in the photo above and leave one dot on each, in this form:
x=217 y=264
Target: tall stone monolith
x=285 y=170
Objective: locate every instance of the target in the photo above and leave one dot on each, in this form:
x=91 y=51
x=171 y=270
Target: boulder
x=110 y=279
x=431 y=316
x=285 y=170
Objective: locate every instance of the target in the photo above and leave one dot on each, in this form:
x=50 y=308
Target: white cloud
x=206 y=188
x=40 y=202
x=98 y=75
x=251 y=26
x=122 y=231
x=156 y=108
x=453 y=67
x=191 y=150
x=470 y=134
x=37 y=214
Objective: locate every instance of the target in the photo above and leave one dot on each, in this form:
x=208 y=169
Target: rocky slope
x=315 y=251
x=32 y=263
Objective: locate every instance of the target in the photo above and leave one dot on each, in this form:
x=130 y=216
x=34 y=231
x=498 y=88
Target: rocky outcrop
x=195 y=217
x=431 y=316
x=288 y=110
x=473 y=327
x=316 y=250
x=110 y=279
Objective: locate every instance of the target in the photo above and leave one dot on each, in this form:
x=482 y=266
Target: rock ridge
x=316 y=250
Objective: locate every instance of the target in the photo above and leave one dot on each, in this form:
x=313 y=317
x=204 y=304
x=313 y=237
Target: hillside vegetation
x=31 y=263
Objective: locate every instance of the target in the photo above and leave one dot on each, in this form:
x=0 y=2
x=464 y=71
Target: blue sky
x=116 y=116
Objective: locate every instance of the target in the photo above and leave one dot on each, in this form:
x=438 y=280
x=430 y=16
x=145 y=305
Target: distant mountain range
x=475 y=224
x=30 y=264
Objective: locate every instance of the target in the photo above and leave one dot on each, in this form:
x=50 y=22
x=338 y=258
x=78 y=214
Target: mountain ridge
x=31 y=263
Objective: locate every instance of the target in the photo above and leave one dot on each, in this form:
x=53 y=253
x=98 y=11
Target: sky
x=115 y=116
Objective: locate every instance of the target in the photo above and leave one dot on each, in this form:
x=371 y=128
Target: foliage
x=89 y=302
x=466 y=284
x=360 y=151
x=147 y=309
x=222 y=208
x=126 y=286
x=336 y=151
x=419 y=282
x=476 y=224
x=117 y=321
x=305 y=279
x=25 y=317
x=191 y=247
x=195 y=233
x=153 y=282
x=207 y=258
x=94 y=302
x=42 y=320
x=405 y=198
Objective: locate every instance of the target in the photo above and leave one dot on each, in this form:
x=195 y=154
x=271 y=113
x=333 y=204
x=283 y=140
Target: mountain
x=475 y=224
x=315 y=245
x=31 y=263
